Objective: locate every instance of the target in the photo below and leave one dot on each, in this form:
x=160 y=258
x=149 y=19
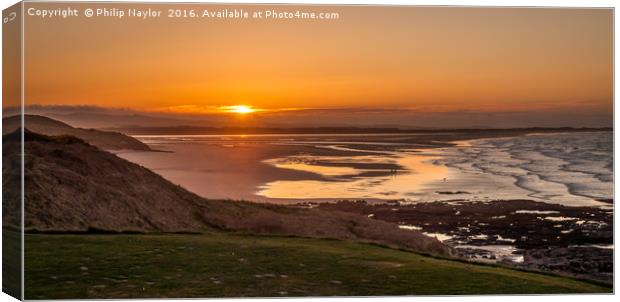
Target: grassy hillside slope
x=233 y=265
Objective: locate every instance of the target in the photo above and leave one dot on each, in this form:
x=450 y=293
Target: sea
x=571 y=168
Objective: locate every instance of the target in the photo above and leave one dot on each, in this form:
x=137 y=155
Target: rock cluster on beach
x=550 y=237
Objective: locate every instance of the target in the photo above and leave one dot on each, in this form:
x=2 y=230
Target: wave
x=551 y=167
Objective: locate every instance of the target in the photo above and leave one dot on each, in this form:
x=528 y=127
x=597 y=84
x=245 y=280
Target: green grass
x=11 y=262
x=234 y=265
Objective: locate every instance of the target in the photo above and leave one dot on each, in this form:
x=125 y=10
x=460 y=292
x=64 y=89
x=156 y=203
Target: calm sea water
x=567 y=168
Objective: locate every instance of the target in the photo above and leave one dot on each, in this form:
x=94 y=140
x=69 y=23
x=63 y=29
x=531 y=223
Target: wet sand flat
x=563 y=168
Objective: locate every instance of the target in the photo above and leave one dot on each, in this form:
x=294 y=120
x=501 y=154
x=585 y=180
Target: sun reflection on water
x=417 y=170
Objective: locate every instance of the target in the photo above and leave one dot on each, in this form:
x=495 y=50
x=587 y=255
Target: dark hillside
x=72 y=186
x=106 y=140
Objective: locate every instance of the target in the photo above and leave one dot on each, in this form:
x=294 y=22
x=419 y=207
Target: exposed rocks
x=523 y=233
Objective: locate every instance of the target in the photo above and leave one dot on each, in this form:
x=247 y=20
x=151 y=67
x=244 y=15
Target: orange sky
x=433 y=59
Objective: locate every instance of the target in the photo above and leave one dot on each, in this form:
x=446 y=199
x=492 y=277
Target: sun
x=240 y=109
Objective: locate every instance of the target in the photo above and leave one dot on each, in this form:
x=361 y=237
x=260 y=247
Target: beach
x=563 y=168
x=495 y=198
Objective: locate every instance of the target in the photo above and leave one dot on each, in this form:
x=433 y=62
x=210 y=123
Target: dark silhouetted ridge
x=103 y=139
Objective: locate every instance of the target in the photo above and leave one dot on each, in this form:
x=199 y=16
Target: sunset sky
x=423 y=59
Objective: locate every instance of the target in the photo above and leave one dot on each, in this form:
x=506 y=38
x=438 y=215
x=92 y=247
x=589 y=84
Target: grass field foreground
x=235 y=265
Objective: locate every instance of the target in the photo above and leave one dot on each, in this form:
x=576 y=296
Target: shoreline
x=547 y=237
x=326 y=164
x=500 y=245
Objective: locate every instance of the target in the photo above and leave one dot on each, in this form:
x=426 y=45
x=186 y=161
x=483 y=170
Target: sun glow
x=240 y=109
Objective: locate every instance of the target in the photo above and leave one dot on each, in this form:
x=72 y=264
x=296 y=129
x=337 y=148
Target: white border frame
x=474 y=3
